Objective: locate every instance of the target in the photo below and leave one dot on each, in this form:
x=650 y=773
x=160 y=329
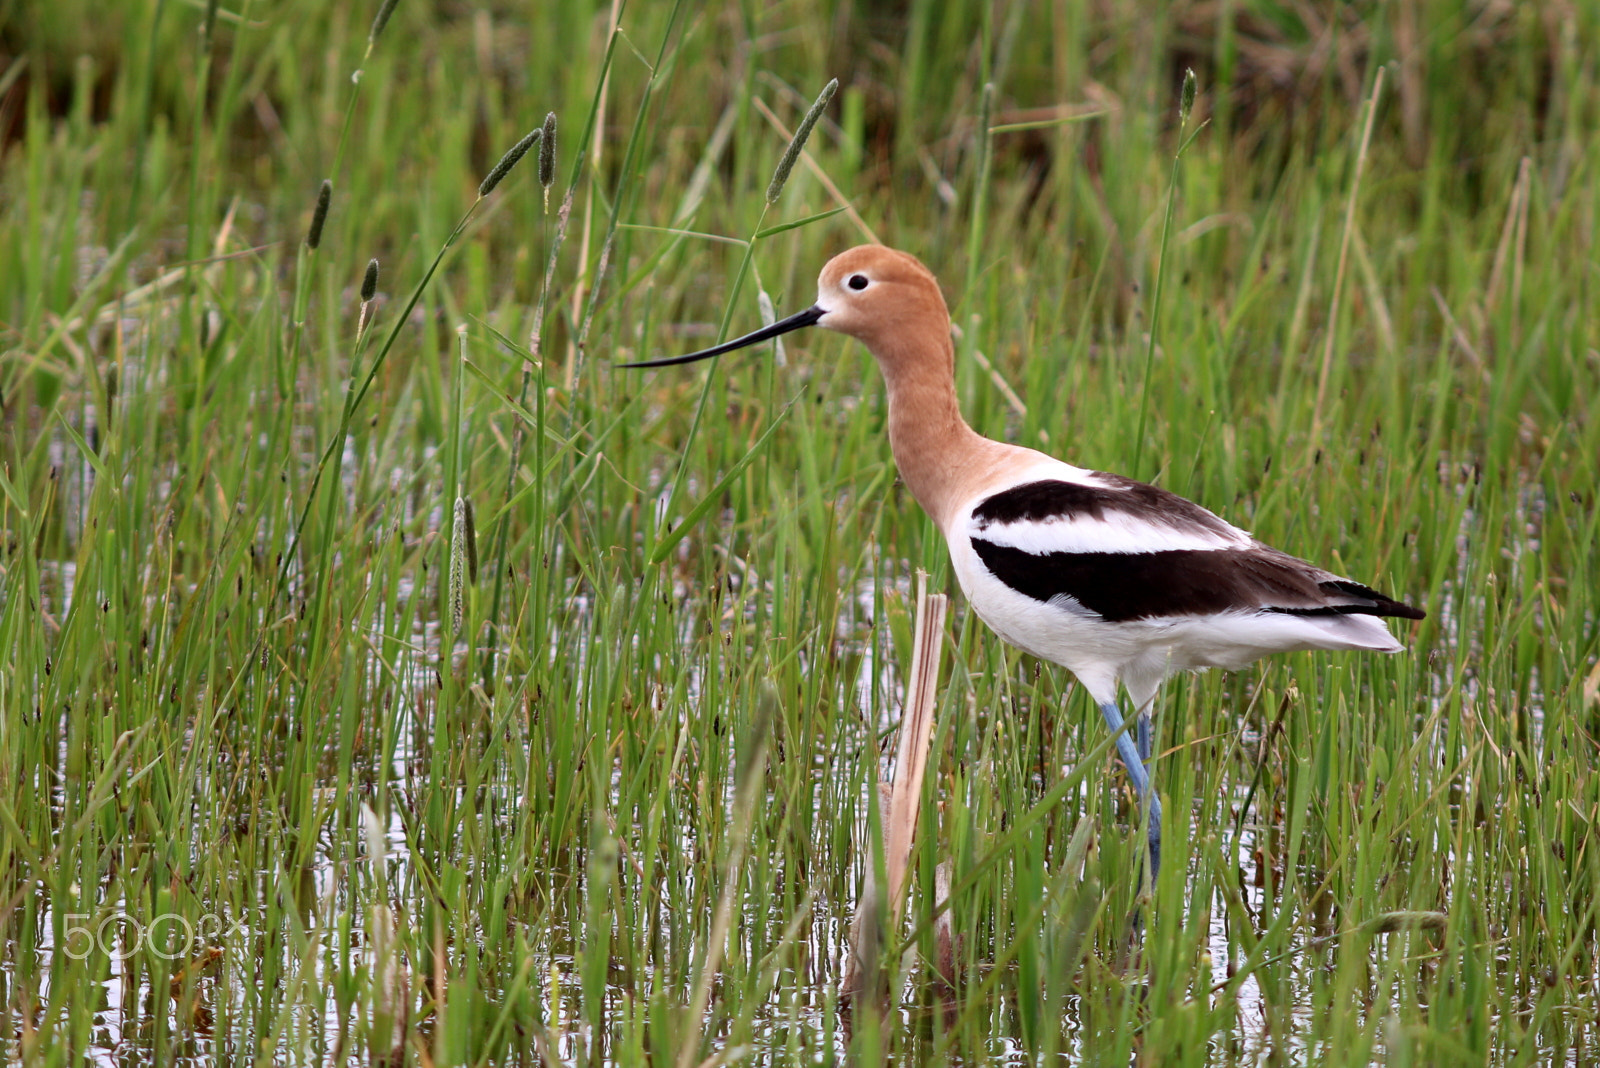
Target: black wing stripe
x=1120 y=587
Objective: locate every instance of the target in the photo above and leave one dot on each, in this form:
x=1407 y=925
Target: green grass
x=304 y=817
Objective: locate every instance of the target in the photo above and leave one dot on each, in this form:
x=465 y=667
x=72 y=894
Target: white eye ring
x=858 y=282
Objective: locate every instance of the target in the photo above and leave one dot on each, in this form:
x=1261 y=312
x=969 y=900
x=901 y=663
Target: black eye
x=857 y=282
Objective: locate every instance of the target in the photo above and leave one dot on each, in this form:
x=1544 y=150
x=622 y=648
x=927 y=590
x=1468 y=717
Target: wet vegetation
x=382 y=666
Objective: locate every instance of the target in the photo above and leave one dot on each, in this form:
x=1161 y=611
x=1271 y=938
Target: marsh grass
x=263 y=797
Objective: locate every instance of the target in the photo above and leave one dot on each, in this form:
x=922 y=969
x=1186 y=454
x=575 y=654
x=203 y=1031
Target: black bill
x=782 y=326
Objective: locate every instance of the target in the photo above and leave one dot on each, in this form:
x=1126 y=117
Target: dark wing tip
x=1380 y=604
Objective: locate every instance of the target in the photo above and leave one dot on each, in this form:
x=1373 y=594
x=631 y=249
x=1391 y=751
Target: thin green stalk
x=1315 y=440
x=780 y=175
x=752 y=764
x=1185 y=104
x=976 y=228
x=352 y=403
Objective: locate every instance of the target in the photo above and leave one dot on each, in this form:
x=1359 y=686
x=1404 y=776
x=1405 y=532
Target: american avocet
x=1115 y=580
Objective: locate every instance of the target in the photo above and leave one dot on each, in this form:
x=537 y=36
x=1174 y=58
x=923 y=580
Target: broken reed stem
x=867 y=936
x=916 y=735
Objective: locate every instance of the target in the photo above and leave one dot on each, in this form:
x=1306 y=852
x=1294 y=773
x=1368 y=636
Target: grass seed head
x=458 y=566
x=380 y=21
x=547 y=151
x=798 y=141
x=1186 y=100
x=369 y=289
x=320 y=214
x=512 y=157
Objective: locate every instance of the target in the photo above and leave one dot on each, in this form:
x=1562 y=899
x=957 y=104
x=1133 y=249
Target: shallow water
x=798 y=1021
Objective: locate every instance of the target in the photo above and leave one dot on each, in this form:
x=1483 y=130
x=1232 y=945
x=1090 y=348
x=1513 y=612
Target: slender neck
x=937 y=453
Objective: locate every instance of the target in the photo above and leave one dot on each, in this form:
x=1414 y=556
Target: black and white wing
x=1124 y=550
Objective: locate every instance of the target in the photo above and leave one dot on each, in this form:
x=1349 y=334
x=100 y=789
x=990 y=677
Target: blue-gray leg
x=1135 y=756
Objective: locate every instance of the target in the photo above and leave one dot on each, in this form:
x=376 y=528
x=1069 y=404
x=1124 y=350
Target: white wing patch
x=1117 y=532
x=1136 y=528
